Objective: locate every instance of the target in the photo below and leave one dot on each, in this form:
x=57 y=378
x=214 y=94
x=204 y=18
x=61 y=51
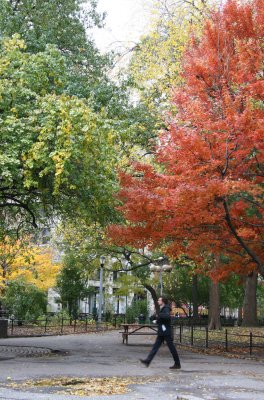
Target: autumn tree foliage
x=49 y=141
x=23 y=260
x=204 y=197
x=155 y=64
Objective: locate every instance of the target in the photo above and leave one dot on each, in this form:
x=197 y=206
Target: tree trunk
x=70 y=307
x=214 y=321
x=255 y=258
x=240 y=316
x=154 y=297
x=195 y=296
x=250 y=300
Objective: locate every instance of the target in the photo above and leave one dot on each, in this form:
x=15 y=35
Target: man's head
x=162 y=301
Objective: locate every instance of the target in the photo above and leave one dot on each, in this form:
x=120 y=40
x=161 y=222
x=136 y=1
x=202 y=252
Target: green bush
x=24 y=300
x=137 y=307
x=119 y=320
x=54 y=319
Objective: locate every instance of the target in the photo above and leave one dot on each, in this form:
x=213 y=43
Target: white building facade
x=112 y=302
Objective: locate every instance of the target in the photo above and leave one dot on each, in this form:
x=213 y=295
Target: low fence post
x=46 y=323
x=74 y=325
x=250 y=343
x=173 y=330
x=192 y=335
x=206 y=337
x=180 y=333
x=3 y=328
x=61 y=324
x=86 y=323
x=12 y=326
x=226 y=341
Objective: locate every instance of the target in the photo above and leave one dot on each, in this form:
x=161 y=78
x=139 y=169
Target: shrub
x=24 y=300
x=137 y=307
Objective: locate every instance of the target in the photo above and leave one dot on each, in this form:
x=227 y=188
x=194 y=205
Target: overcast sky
x=126 y=20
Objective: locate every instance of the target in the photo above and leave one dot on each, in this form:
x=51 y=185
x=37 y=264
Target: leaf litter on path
x=86 y=386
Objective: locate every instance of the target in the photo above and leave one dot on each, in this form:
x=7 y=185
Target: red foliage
x=210 y=197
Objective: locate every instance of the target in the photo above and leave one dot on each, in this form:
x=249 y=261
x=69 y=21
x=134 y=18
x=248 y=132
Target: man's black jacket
x=164 y=321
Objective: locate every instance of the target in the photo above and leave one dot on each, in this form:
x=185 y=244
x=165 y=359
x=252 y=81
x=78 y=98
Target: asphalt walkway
x=103 y=355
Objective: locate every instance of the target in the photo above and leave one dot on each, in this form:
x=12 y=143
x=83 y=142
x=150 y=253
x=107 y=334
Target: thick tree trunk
x=195 y=296
x=214 y=321
x=250 y=301
x=154 y=297
x=240 y=316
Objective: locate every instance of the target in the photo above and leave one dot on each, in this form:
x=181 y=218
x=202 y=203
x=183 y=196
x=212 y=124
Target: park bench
x=137 y=329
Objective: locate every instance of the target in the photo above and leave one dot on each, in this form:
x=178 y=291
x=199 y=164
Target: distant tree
x=10 y=250
x=21 y=261
x=232 y=292
x=24 y=300
x=179 y=286
x=72 y=284
x=137 y=308
x=260 y=299
x=35 y=265
x=156 y=60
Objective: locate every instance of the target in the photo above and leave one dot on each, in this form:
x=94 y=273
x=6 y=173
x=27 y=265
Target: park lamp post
x=102 y=262
x=127 y=265
x=160 y=269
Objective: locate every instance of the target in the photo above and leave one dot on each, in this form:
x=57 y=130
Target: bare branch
x=253 y=256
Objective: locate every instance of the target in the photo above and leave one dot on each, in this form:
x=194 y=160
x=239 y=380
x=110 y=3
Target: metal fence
x=57 y=325
x=202 y=337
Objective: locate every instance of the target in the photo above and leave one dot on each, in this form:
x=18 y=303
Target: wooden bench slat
x=139 y=333
x=134 y=330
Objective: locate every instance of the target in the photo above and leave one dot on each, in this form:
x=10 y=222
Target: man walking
x=164 y=333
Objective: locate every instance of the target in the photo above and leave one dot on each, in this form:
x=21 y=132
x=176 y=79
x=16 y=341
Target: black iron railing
x=234 y=342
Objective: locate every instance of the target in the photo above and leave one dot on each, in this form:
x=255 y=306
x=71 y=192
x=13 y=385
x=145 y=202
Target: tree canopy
x=206 y=195
x=156 y=61
x=55 y=151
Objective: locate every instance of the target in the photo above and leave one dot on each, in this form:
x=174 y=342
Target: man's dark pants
x=158 y=343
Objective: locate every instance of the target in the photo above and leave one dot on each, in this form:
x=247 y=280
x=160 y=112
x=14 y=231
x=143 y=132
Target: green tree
x=232 y=292
x=260 y=299
x=179 y=286
x=137 y=308
x=24 y=300
x=57 y=22
x=52 y=136
x=65 y=25
x=56 y=154
x=72 y=283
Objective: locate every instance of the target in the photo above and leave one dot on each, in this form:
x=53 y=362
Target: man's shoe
x=175 y=366
x=145 y=362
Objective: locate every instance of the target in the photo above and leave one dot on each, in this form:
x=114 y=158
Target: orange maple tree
x=205 y=194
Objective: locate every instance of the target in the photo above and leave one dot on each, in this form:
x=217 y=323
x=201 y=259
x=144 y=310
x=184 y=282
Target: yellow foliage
x=155 y=66
x=33 y=263
x=14 y=43
x=41 y=271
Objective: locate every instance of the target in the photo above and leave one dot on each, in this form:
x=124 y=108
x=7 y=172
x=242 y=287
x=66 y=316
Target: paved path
x=102 y=355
